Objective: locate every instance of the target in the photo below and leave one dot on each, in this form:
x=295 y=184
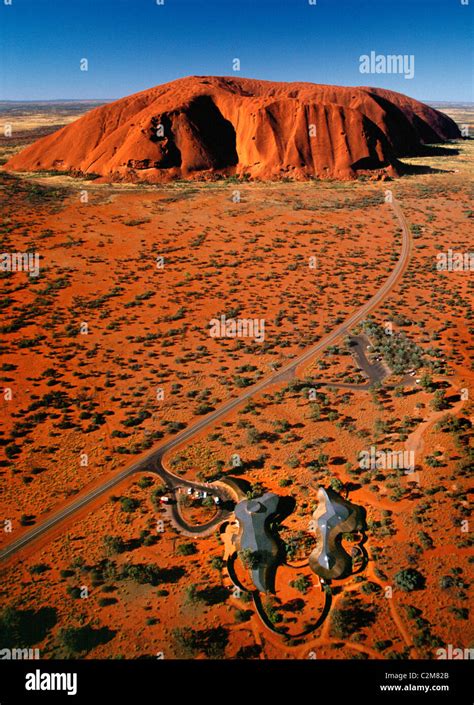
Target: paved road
x=375 y=372
x=153 y=461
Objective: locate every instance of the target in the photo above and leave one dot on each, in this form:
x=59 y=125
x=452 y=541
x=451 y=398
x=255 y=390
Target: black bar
x=312 y=680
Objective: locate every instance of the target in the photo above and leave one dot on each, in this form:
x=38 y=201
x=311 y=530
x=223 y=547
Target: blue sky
x=131 y=45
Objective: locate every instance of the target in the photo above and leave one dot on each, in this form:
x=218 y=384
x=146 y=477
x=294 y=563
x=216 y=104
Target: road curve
x=153 y=461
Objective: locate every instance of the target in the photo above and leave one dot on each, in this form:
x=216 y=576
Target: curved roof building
x=334 y=517
x=254 y=517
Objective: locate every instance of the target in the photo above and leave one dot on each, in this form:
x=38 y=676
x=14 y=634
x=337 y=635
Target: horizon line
x=111 y=100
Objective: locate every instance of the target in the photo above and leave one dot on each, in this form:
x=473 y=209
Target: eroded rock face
x=200 y=127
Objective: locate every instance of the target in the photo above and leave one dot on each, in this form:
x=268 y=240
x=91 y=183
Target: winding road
x=153 y=462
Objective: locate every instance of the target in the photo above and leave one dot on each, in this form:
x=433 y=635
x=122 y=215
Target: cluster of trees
x=272 y=612
x=302 y=583
x=23 y=628
x=210 y=642
x=148 y=573
x=424 y=637
x=251 y=559
x=116 y=544
x=186 y=549
x=299 y=542
x=439 y=401
x=129 y=504
x=143 y=573
x=400 y=353
x=353 y=616
x=78 y=640
x=409 y=579
x=209 y=595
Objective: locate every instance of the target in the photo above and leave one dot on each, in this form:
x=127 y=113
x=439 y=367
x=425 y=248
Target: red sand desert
x=119 y=567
